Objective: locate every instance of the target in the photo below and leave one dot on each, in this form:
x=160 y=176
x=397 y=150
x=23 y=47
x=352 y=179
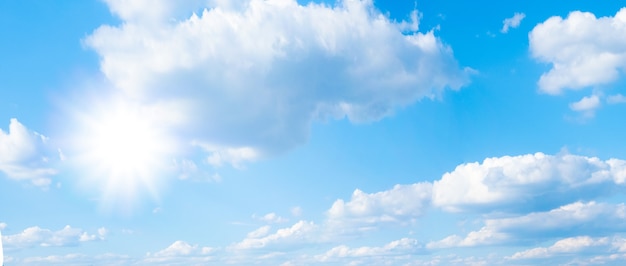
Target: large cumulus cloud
x=255 y=73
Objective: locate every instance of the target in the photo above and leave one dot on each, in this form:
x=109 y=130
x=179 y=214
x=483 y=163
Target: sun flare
x=124 y=144
x=123 y=148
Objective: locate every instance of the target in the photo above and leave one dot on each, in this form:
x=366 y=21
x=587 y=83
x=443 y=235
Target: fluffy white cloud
x=300 y=232
x=23 y=155
x=533 y=192
x=402 y=204
x=512 y=22
x=256 y=73
x=582 y=49
x=573 y=219
x=36 y=236
x=586 y=104
x=527 y=182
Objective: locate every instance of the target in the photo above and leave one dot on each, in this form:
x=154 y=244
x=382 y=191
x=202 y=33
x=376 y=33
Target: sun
x=123 y=148
x=124 y=143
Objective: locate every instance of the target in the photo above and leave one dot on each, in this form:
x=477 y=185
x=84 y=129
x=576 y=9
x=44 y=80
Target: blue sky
x=276 y=132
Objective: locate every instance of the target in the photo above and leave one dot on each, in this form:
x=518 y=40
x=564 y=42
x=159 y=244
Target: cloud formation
x=527 y=182
x=401 y=204
x=586 y=104
x=569 y=220
x=512 y=22
x=568 y=245
x=507 y=193
x=377 y=255
x=180 y=251
x=583 y=51
x=36 y=236
x=300 y=232
x=301 y=63
x=24 y=155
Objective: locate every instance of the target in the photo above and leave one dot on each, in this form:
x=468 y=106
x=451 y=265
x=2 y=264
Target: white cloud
x=233 y=156
x=260 y=232
x=56 y=259
x=23 y=155
x=36 y=236
x=300 y=232
x=189 y=170
x=182 y=248
x=512 y=22
x=616 y=99
x=256 y=73
x=382 y=254
x=296 y=211
x=530 y=196
x=76 y=259
x=567 y=245
x=583 y=50
x=402 y=204
x=527 y=182
x=573 y=219
x=484 y=236
x=180 y=253
x=586 y=104
x=271 y=218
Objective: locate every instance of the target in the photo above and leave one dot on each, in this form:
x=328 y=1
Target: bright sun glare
x=123 y=149
x=124 y=143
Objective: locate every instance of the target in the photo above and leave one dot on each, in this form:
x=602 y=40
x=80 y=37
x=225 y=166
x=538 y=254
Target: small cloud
x=413 y=24
x=512 y=22
x=189 y=170
x=261 y=232
x=181 y=249
x=24 y=155
x=300 y=232
x=102 y=232
x=271 y=218
x=404 y=245
x=36 y=236
x=587 y=105
x=568 y=245
x=401 y=205
x=616 y=99
x=218 y=156
x=296 y=211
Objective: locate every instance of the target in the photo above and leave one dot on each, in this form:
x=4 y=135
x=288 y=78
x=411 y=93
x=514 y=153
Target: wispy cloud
x=512 y=22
